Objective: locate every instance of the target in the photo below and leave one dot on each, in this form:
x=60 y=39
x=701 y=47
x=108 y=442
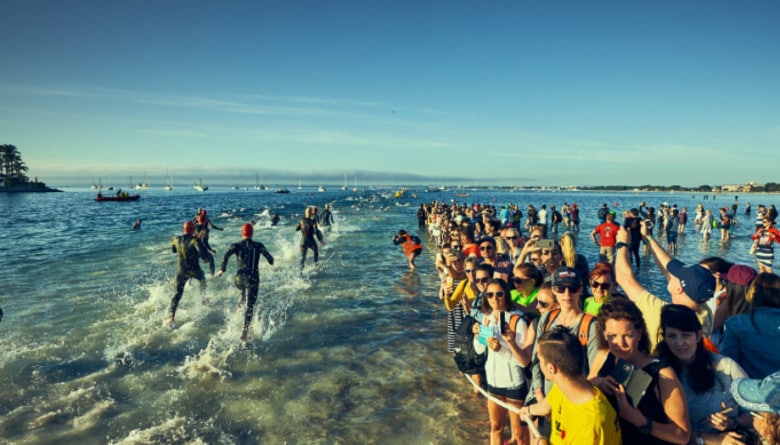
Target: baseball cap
x=740 y=274
x=758 y=395
x=697 y=282
x=565 y=276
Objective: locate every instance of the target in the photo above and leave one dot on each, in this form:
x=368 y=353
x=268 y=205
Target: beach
x=353 y=351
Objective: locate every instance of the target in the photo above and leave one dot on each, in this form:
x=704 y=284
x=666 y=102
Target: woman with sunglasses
x=566 y=288
x=705 y=376
x=458 y=303
x=661 y=415
x=602 y=280
x=526 y=279
x=502 y=266
x=505 y=360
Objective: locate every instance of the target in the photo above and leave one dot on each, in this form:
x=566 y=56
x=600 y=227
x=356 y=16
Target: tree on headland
x=12 y=167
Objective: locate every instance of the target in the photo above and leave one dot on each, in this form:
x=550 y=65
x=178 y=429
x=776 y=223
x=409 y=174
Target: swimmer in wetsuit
x=308 y=228
x=189 y=250
x=202 y=232
x=247 y=276
x=326 y=219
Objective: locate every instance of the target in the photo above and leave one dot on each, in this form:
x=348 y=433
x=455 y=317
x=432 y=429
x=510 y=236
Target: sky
x=451 y=92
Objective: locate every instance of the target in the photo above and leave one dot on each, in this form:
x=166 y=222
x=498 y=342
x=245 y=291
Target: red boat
x=123 y=197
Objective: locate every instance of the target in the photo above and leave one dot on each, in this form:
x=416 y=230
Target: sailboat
x=345 y=183
x=321 y=189
x=299 y=184
x=199 y=186
x=355 y=189
x=168 y=185
x=142 y=185
x=259 y=183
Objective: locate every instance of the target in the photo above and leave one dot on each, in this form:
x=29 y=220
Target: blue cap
x=758 y=395
x=697 y=282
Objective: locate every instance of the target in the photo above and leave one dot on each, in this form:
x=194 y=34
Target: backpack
x=582 y=331
x=466 y=358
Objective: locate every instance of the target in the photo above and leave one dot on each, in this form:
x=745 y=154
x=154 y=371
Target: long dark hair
x=622 y=309
x=764 y=291
x=701 y=371
x=504 y=287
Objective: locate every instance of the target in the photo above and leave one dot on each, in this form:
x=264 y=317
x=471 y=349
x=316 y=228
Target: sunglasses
x=511 y=237
x=499 y=294
x=481 y=280
x=519 y=280
x=484 y=248
x=563 y=289
x=543 y=304
x=468 y=270
x=455 y=246
x=546 y=252
x=602 y=286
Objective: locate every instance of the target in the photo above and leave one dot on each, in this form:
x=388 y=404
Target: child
x=580 y=411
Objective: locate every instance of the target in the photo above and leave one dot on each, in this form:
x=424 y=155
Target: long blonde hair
x=568 y=250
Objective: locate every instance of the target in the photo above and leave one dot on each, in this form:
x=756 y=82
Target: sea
x=351 y=351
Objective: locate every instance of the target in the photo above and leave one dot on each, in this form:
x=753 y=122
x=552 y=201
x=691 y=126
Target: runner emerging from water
x=189 y=250
x=308 y=228
x=247 y=276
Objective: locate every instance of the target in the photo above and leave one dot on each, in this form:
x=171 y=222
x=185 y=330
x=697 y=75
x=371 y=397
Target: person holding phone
x=705 y=376
x=661 y=415
x=505 y=360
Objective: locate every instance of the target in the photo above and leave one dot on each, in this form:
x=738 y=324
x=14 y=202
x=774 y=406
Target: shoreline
x=28 y=188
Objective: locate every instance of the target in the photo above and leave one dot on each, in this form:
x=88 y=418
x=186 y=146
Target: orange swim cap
x=247 y=230
x=189 y=228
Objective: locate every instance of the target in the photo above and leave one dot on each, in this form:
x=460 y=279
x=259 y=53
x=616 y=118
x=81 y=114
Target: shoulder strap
x=584 y=330
x=550 y=318
x=513 y=322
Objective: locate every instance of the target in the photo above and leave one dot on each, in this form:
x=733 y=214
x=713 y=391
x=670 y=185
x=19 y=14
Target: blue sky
x=502 y=92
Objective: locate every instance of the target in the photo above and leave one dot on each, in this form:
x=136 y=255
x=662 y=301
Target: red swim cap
x=247 y=230
x=202 y=218
x=189 y=228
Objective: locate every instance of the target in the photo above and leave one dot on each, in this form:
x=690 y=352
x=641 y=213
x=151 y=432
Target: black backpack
x=468 y=361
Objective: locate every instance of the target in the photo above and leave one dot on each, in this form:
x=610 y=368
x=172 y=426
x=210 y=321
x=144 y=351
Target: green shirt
x=521 y=299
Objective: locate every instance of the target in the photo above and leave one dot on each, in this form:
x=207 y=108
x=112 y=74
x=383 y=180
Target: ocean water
x=353 y=351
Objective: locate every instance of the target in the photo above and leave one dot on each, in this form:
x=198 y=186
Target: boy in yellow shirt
x=580 y=412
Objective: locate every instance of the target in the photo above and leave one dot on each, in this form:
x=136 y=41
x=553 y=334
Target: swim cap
x=189 y=228
x=202 y=218
x=247 y=230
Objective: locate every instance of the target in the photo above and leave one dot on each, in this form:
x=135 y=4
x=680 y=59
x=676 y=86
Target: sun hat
x=696 y=281
x=741 y=274
x=758 y=395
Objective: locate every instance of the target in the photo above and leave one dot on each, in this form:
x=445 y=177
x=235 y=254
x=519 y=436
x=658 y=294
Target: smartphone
x=544 y=243
x=502 y=321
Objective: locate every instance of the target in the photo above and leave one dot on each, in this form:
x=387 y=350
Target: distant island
x=12 y=173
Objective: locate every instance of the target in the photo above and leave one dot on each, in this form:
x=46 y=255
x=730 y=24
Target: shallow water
x=353 y=351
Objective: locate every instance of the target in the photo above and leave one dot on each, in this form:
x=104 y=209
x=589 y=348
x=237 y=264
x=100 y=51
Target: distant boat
x=299 y=184
x=235 y=187
x=259 y=183
x=345 y=183
x=121 y=197
x=142 y=185
x=199 y=186
x=168 y=185
x=282 y=191
x=321 y=189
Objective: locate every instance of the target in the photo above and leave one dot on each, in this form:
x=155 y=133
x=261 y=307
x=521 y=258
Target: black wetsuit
x=202 y=231
x=326 y=218
x=247 y=276
x=308 y=228
x=190 y=250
